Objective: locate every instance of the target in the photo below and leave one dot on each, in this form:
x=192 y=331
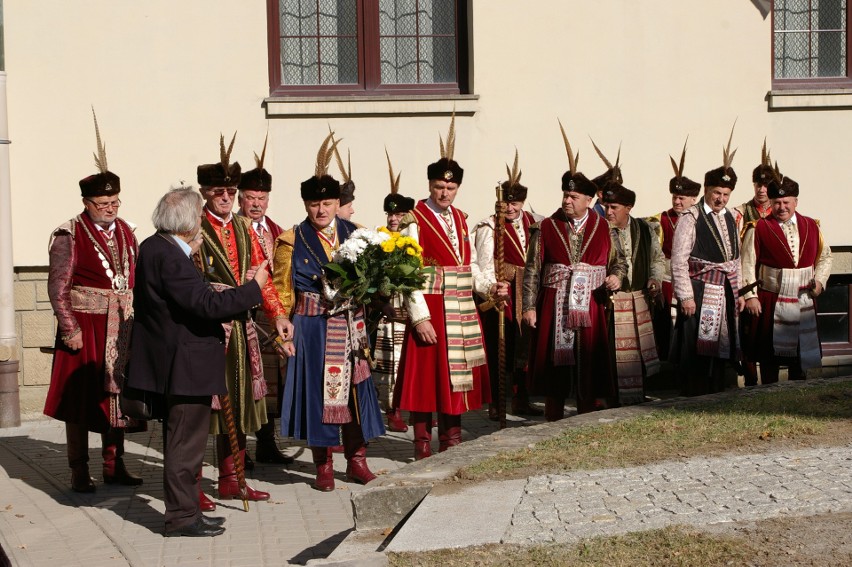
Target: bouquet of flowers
x=374 y=265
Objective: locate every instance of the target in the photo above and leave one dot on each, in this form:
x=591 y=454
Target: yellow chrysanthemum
x=388 y=246
x=410 y=251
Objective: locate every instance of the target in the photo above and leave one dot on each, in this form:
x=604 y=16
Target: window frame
x=369 y=59
x=812 y=82
x=840 y=348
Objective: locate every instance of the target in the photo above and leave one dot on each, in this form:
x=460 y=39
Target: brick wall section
x=35 y=326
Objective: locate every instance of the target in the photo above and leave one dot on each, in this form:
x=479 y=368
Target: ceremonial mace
x=235 y=448
x=500 y=306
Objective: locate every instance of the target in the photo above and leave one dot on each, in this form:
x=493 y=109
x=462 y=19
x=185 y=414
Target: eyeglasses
x=219 y=191
x=104 y=206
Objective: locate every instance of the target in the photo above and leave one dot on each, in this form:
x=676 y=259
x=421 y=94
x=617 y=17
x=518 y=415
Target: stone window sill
x=355 y=106
x=809 y=99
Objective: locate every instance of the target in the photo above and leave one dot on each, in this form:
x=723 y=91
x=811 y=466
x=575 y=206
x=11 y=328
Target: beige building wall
x=167 y=77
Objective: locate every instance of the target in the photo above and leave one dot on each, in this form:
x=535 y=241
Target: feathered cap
x=104 y=183
x=723 y=176
x=781 y=185
x=680 y=184
x=612 y=173
x=394 y=202
x=763 y=173
x=322 y=185
x=347 y=188
x=573 y=180
x=446 y=169
x=257 y=179
x=512 y=188
x=224 y=173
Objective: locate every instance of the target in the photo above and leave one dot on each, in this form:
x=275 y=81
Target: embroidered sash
x=344 y=364
x=465 y=349
x=243 y=333
x=794 y=330
x=635 y=347
x=574 y=285
x=712 y=314
x=118 y=307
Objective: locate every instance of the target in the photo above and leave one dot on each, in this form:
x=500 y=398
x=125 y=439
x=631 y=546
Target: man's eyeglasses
x=104 y=206
x=219 y=191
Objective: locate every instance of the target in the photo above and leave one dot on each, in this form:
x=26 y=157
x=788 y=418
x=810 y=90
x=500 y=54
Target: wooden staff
x=235 y=448
x=500 y=306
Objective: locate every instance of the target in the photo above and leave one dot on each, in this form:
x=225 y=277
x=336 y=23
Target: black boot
x=267 y=451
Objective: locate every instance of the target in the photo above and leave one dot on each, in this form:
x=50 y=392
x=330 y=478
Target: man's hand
x=529 y=318
x=284 y=327
x=817 y=290
x=426 y=332
x=688 y=307
x=261 y=274
x=500 y=290
x=654 y=288
x=741 y=303
x=196 y=242
x=289 y=348
x=612 y=283
x=75 y=342
x=752 y=305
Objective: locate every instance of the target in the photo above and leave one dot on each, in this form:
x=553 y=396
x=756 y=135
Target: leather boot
x=395 y=422
x=521 y=402
x=77 y=446
x=355 y=451
x=229 y=486
x=554 y=408
x=422 y=435
x=325 y=468
x=449 y=431
x=204 y=502
x=115 y=472
x=267 y=451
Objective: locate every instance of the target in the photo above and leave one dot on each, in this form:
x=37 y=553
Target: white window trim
x=411 y=105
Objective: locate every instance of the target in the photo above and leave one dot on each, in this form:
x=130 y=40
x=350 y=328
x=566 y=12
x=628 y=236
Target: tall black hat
x=573 y=180
x=680 y=184
x=257 y=179
x=763 y=174
x=612 y=173
x=723 y=176
x=347 y=188
x=447 y=169
x=322 y=186
x=512 y=188
x=394 y=202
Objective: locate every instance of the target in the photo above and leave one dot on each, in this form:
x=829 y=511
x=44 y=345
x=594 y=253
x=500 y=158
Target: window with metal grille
x=810 y=43
x=367 y=47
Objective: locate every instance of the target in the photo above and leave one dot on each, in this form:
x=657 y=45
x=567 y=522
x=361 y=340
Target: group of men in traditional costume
x=581 y=293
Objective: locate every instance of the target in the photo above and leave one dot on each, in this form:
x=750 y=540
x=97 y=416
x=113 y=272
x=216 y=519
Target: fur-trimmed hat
x=724 y=176
x=616 y=193
x=447 y=169
x=680 y=184
x=257 y=179
x=347 y=188
x=394 y=202
x=104 y=183
x=612 y=173
x=512 y=188
x=763 y=173
x=785 y=188
x=224 y=173
x=347 y=192
x=322 y=186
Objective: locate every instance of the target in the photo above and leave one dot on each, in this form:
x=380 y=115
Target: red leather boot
x=355 y=451
x=114 y=470
x=323 y=459
x=229 y=486
x=422 y=423
x=395 y=422
x=449 y=431
x=204 y=502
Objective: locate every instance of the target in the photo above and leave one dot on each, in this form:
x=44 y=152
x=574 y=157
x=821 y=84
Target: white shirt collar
x=434 y=207
x=220 y=219
x=580 y=221
x=709 y=210
x=261 y=222
x=111 y=227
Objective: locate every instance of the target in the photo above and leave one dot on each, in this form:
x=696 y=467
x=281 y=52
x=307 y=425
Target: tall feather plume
x=514 y=173
x=449 y=150
x=394 y=182
x=600 y=154
x=678 y=169
x=776 y=173
x=259 y=160
x=346 y=173
x=764 y=156
x=225 y=156
x=324 y=155
x=100 y=157
x=727 y=154
x=572 y=158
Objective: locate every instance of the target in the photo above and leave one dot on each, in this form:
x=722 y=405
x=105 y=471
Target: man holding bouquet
x=329 y=391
